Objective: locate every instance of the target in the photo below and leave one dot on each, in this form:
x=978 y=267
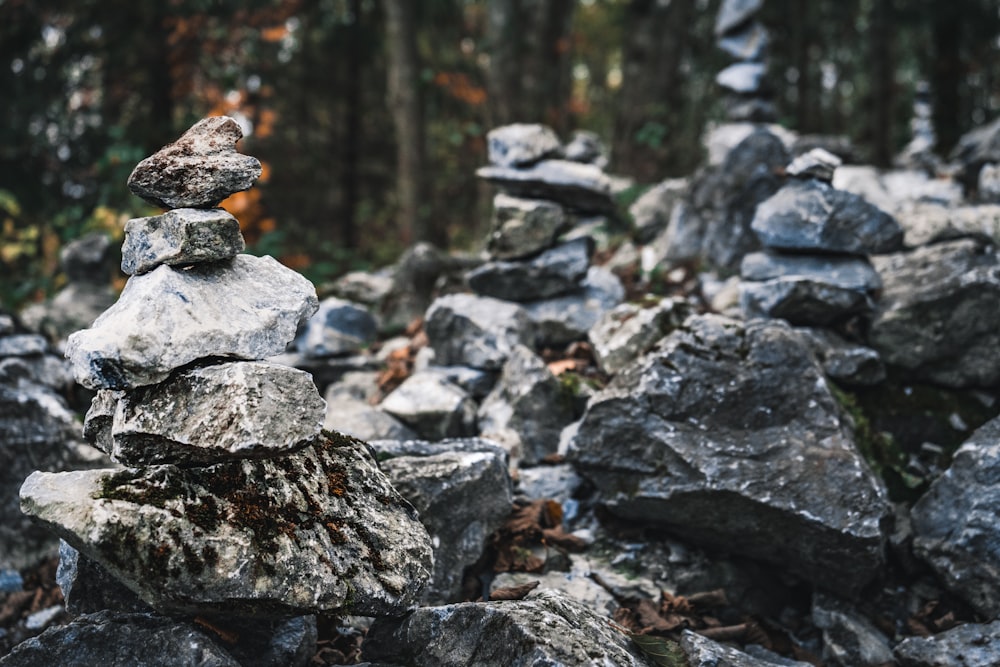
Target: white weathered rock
x=745 y=78
x=521 y=144
x=247 y=308
x=817 y=163
x=432 y=406
x=629 y=330
x=181 y=236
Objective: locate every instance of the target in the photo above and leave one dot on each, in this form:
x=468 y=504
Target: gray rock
x=847 y=272
x=433 y=407
x=74 y=307
x=568 y=318
x=23 y=345
x=553 y=272
x=976 y=148
x=338 y=327
x=629 y=330
x=363 y=421
x=728 y=435
x=178 y=237
x=462 y=490
x=523 y=227
x=704 y=652
x=317 y=531
x=87 y=259
x=100 y=417
x=159 y=324
x=7 y=326
x=474 y=381
x=558 y=482
x=818 y=163
x=546 y=628
x=734 y=13
x=744 y=78
x=198 y=170
x=954 y=523
x=88 y=588
x=849 y=639
x=749 y=108
x=47 y=370
x=527 y=409
x=750 y=43
x=926 y=223
x=581 y=187
x=989 y=183
x=521 y=144
x=200 y=416
x=845 y=362
x=476 y=331
x=652 y=211
x=586 y=147
x=955 y=286
x=363 y=287
x=968 y=645
x=811 y=215
x=803 y=300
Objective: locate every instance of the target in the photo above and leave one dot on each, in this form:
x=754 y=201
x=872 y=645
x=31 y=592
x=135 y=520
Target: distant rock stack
x=232 y=502
x=814 y=269
x=740 y=34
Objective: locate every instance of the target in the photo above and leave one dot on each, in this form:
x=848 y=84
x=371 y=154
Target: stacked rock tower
x=232 y=500
x=739 y=32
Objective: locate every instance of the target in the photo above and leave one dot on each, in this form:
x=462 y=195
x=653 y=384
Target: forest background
x=370 y=116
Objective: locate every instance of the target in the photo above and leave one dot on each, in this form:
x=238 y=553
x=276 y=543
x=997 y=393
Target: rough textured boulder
x=968 y=645
x=480 y=332
x=527 y=409
x=577 y=186
x=629 y=330
x=564 y=319
x=954 y=523
x=238 y=409
x=158 y=324
x=521 y=144
x=954 y=285
x=553 y=272
x=929 y=222
x=317 y=531
x=198 y=170
x=523 y=227
x=462 y=490
x=728 y=435
x=547 y=628
x=338 y=327
x=432 y=406
x=181 y=236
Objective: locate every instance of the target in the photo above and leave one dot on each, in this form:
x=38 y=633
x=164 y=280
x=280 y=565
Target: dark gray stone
x=364 y=287
x=849 y=273
x=704 y=652
x=748 y=44
x=178 y=237
x=87 y=259
x=937 y=316
x=462 y=490
x=749 y=108
x=652 y=211
x=432 y=406
x=586 y=147
x=88 y=588
x=728 y=435
x=546 y=628
x=521 y=144
x=476 y=382
x=339 y=327
x=845 y=362
x=74 y=307
x=734 y=13
x=849 y=639
x=523 y=227
x=581 y=187
x=528 y=408
x=974 y=149
x=812 y=215
x=476 y=331
x=803 y=300
x=553 y=272
x=744 y=78
x=568 y=318
x=198 y=170
x=955 y=523
x=968 y=645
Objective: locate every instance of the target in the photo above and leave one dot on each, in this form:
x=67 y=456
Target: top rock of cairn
x=198 y=170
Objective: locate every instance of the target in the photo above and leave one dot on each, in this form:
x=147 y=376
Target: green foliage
x=662 y=651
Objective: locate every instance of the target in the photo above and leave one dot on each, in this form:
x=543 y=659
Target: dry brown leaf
x=514 y=592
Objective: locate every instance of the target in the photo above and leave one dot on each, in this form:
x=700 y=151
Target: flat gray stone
x=23 y=345
x=728 y=435
x=476 y=331
x=818 y=163
x=239 y=409
x=954 y=523
x=339 y=327
x=581 y=187
x=629 y=330
x=363 y=421
x=555 y=271
x=734 y=13
x=432 y=406
x=704 y=652
x=521 y=144
x=546 y=628
x=523 y=227
x=247 y=307
x=320 y=530
x=968 y=645
x=803 y=301
x=938 y=316
x=745 y=78
x=811 y=215
x=564 y=319
x=846 y=272
x=462 y=490
x=178 y=237
x=749 y=43
x=198 y=170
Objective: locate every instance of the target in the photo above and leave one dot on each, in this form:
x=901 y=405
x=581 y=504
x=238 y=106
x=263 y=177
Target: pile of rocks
x=815 y=270
x=741 y=35
x=233 y=502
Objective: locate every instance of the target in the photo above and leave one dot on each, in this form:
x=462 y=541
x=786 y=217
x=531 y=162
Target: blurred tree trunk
x=881 y=39
x=657 y=34
x=529 y=73
x=408 y=118
x=947 y=71
x=350 y=176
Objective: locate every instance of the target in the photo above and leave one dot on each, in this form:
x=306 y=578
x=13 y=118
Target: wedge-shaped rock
x=476 y=331
x=728 y=435
x=554 y=272
x=232 y=410
x=581 y=187
x=181 y=236
x=320 y=530
x=812 y=215
x=745 y=78
x=734 y=13
x=247 y=308
x=198 y=170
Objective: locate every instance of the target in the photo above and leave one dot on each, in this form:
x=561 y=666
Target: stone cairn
x=815 y=268
x=740 y=34
x=232 y=501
